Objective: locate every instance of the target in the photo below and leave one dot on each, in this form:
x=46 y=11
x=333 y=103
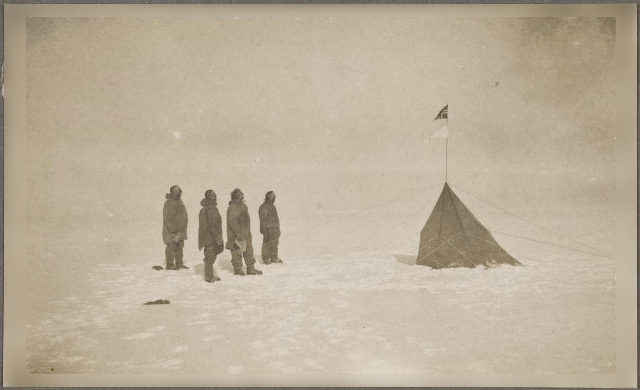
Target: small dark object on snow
x=158 y=302
x=157 y=268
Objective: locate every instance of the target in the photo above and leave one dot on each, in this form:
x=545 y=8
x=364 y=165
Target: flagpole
x=444 y=114
x=446 y=149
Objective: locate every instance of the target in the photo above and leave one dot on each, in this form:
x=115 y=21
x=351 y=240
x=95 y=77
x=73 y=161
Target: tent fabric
x=453 y=237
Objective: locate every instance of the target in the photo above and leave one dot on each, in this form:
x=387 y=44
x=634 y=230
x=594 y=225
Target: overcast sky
x=322 y=111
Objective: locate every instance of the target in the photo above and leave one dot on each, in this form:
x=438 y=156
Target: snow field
x=363 y=312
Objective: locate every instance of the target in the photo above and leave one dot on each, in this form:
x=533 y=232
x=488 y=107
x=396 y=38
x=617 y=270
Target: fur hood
x=208 y=202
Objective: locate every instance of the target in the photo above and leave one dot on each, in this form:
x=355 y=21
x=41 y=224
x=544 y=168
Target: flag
x=442 y=132
x=443 y=114
x=441 y=129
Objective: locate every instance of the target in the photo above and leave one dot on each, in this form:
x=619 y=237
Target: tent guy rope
x=595 y=251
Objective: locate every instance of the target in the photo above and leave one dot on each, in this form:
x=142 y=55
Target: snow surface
x=359 y=312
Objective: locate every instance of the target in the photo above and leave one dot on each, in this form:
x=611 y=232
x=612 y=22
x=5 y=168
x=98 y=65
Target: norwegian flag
x=443 y=114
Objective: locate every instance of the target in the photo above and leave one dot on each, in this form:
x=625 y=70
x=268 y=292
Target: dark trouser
x=174 y=251
x=236 y=257
x=209 y=259
x=269 y=247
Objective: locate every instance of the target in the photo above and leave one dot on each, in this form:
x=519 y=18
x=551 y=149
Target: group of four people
x=239 y=240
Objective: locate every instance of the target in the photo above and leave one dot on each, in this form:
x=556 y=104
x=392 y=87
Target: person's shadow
x=224 y=263
x=405 y=259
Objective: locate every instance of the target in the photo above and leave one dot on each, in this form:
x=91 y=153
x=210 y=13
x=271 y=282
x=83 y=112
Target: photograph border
x=15 y=195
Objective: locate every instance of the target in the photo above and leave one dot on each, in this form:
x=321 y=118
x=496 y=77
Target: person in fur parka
x=239 y=235
x=174 y=228
x=210 y=234
x=270 y=229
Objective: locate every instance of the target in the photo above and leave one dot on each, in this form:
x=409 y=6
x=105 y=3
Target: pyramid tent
x=453 y=237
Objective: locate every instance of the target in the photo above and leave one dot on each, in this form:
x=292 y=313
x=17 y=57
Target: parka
x=238 y=223
x=269 y=222
x=174 y=219
x=210 y=229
